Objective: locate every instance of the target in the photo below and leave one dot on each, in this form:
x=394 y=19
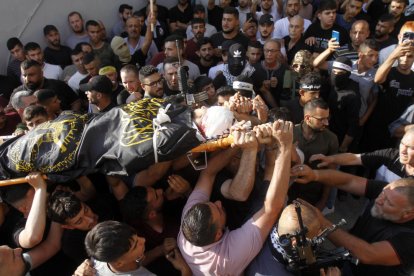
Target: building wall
x=25 y=19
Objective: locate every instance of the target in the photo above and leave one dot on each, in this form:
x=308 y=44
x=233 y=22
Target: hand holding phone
x=335 y=34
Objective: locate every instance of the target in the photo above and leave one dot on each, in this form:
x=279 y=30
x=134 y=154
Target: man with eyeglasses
x=151 y=82
x=314 y=137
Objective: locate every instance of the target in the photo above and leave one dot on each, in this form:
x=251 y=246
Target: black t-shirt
x=175 y=14
x=214 y=17
x=384 y=44
x=217 y=39
x=323 y=36
x=396 y=96
x=62 y=90
x=277 y=92
x=58 y=57
x=300 y=45
x=399 y=235
x=377 y=8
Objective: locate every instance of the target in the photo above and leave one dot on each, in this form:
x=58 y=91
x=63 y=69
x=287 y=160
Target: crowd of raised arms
x=317 y=97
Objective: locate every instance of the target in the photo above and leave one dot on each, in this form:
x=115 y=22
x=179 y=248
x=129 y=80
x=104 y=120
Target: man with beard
x=55 y=53
x=200 y=12
x=313 y=136
x=78 y=34
x=125 y=12
x=383 y=29
x=100 y=48
x=282 y=25
x=33 y=80
x=352 y=9
x=230 y=31
x=266 y=7
x=205 y=54
x=198 y=28
x=254 y=52
x=215 y=13
x=99 y=93
x=396 y=9
x=35 y=53
x=344 y=103
x=151 y=82
x=180 y=15
x=383 y=236
x=359 y=33
x=81 y=73
x=266 y=28
x=170 y=68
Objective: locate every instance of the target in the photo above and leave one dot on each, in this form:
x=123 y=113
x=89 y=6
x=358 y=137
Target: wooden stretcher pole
x=152 y=13
x=221 y=143
x=16 y=181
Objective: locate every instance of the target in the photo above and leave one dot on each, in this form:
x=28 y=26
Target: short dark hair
x=13 y=42
x=123 y=7
x=231 y=10
x=92 y=23
x=280 y=113
x=386 y=17
x=170 y=60
x=26 y=64
x=314 y=104
x=130 y=68
x=12 y=194
x=134 y=204
x=80 y=44
x=75 y=51
x=198 y=227
x=369 y=44
x=226 y=90
x=49 y=28
x=173 y=38
x=139 y=14
x=109 y=240
x=311 y=78
x=33 y=111
x=197 y=20
x=203 y=41
x=31 y=46
x=62 y=206
x=75 y=13
x=88 y=58
x=327 y=5
x=146 y=71
x=200 y=82
x=255 y=44
x=43 y=95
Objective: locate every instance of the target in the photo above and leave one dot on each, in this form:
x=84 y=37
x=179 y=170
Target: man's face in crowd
x=295 y=28
x=32 y=77
x=78 y=61
x=153 y=85
x=85 y=220
x=318 y=120
x=155 y=197
x=133 y=28
x=406 y=61
x=391 y=204
x=267 y=5
x=353 y=8
x=218 y=214
x=94 y=33
x=206 y=52
x=307 y=96
x=86 y=48
x=76 y=23
x=396 y=9
x=18 y=53
x=271 y=52
x=383 y=28
x=253 y=55
x=198 y=30
x=53 y=38
x=199 y=14
x=102 y=32
x=53 y=106
x=170 y=49
x=34 y=122
x=11 y=261
x=229 y=23
x=130 y=81
x=327 y=18
x=359 y=33
x=243 y=3
x=127 y=13
x=92 y=68
x=93 y=97
x=171 y=76
x=292 y=8
x=368 y=58
x=266 y=30
x=251 y=31
x=211 y=90
x=407 y=149
x=36 y=54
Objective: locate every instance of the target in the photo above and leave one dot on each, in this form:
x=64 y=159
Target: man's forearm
x=344 y=181
x=384 y=69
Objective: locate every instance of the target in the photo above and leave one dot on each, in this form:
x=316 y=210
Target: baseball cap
x=100 y=84
x=266 y=19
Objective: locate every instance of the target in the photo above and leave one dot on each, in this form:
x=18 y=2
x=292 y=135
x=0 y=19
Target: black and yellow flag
x=118 y=142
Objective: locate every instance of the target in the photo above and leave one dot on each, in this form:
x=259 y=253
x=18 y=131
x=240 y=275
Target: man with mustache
x=55 y=53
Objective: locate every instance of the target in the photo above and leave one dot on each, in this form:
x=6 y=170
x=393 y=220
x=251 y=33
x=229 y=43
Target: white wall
x=25 y=19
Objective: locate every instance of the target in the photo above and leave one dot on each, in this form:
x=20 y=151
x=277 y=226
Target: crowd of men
x=308 y=91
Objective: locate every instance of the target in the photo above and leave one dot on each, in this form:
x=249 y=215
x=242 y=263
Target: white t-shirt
x=51 y=71
x=73 y=82
x=102 y=269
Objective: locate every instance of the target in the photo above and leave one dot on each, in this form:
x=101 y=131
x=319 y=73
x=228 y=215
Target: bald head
x=289 y=224
x=296 y=27
x=359 y=33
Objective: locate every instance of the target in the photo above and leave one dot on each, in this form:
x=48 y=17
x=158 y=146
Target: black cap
x=100 y=84
x=266 y=19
